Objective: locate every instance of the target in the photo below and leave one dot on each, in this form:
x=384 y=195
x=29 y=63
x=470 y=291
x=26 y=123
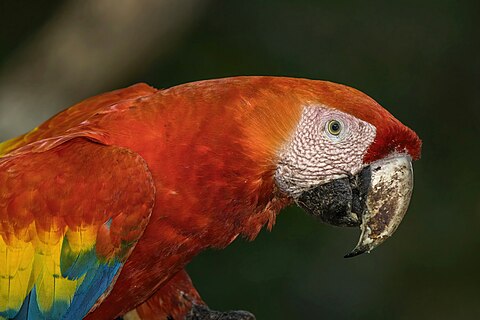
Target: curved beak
x=376 y=199
x=387 y=202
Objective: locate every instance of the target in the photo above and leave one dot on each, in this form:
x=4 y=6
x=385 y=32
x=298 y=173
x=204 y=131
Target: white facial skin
x=319 y=153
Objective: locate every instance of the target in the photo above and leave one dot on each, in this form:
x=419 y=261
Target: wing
x=67 y=120
x=69 y=218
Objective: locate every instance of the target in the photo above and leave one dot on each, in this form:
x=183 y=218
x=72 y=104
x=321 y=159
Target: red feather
x=211 y=147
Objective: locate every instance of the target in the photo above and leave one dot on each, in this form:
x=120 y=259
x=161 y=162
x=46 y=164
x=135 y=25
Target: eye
x=334 y=127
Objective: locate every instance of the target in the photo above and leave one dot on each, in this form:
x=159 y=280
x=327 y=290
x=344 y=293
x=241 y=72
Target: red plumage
x=211 y=149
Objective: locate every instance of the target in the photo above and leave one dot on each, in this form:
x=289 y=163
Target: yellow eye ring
x=334 y=127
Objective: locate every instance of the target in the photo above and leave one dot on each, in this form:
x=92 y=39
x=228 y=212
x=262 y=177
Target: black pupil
x=335 y=126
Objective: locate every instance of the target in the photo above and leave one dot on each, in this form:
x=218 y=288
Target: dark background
x=419 y=59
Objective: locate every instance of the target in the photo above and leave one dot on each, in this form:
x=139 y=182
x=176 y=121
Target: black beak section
x=376 y=199
x=340 y=202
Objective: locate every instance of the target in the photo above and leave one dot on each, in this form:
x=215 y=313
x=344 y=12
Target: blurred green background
x=419 y=59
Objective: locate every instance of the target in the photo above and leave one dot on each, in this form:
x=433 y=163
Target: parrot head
x=347 y=161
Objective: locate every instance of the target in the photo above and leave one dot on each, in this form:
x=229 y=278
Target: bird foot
x=201 y=312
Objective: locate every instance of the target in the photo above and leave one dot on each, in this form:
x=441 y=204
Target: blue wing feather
x=95 y=284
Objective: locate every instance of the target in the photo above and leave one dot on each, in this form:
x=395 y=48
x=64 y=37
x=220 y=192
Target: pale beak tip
x=387 y=202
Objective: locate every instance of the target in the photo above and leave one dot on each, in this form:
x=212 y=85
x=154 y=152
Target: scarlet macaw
x=103 y=205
